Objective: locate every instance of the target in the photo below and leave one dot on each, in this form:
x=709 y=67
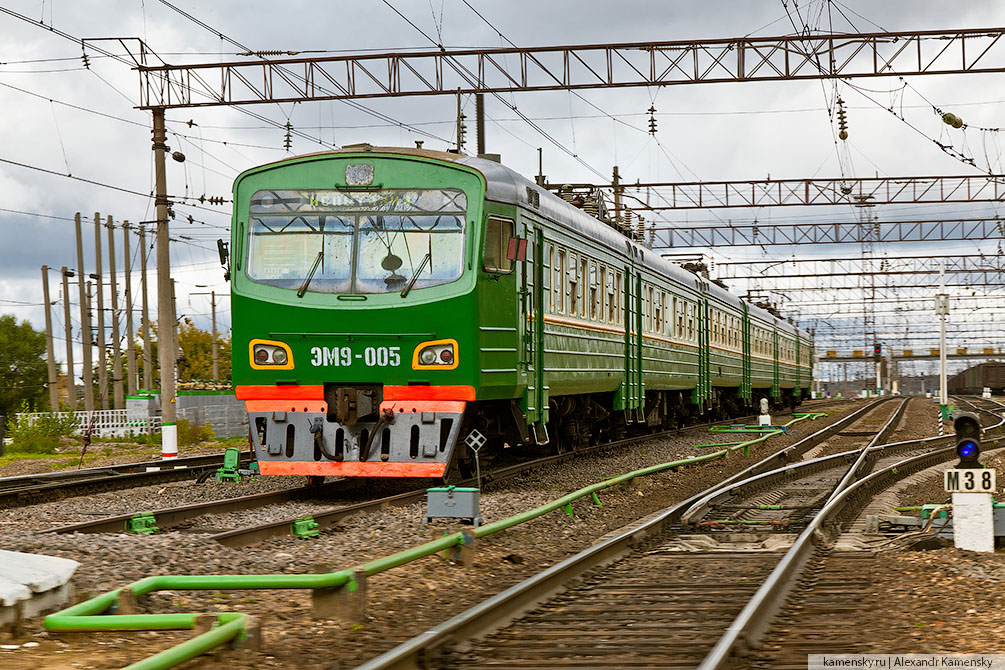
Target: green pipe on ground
x=230 y=625
x=66 y=624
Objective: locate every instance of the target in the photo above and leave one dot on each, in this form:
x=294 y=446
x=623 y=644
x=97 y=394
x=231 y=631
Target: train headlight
x=435 y=355
x=270 y=355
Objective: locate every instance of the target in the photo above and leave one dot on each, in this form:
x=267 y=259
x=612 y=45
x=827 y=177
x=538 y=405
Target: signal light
x=968 y=439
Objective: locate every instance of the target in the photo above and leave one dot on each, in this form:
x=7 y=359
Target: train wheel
x=315 y=480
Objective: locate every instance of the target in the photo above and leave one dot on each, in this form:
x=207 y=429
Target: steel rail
x=29 y=489
x=507 y=605
x=864 y=463
x=240 y=537
x=174 y=515
x=325 y=519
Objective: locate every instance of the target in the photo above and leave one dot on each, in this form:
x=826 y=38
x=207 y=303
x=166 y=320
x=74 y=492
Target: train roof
x=507 y=186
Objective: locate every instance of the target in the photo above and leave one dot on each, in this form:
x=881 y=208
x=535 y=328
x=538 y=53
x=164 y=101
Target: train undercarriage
x=374 y=431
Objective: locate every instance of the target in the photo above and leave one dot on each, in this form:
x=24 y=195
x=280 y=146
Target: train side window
x=660 y=312
x=618 y=287
x=560 y=282
x=678 y=308
x=594 y=290
x=584 y=278
x=546 y=275
x=611 y=290
x=573 y=286
x=498 y=232
x=602 y=294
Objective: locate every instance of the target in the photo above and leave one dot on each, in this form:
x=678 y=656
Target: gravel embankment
x=402 y=602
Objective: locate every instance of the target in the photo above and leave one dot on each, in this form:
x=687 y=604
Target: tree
x=196 y=354
x=23 y=371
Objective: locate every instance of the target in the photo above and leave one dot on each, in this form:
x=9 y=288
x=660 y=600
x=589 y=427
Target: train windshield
x=356 y=241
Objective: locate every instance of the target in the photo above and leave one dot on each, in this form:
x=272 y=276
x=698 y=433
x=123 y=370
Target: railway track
x=694 y=586
x=31 y=489
x=174 y=516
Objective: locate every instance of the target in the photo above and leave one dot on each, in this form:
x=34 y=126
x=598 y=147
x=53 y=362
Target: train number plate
x=970 y=481
x=343 y=357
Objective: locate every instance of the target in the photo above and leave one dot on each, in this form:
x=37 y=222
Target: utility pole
x=216 y=348
x=120 y=401
x=130 y=342
x=165 y=306
x=100 y=309
x=148 y=364
x=942 y=309
x=85 y=323
x=49 y=349
x=71 y=386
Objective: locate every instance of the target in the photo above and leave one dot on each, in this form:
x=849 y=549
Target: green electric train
x=395 y=308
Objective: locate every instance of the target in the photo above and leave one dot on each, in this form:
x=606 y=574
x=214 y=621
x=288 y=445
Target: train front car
x=353 y=311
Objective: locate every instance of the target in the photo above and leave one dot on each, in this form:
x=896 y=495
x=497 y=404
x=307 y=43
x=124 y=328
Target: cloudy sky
x=68 y=119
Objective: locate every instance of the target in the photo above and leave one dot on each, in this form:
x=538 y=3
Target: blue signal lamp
x=968 y=449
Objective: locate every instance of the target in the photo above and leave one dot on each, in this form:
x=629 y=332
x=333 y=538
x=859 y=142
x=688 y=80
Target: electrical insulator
x=842 y=116
x=952 y=120
x=86 y=60
x=652 y=120
x=462 y=131
x=288 y=138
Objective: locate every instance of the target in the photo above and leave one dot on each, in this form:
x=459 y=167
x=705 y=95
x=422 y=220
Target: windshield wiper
x=411 y=282
x=310 y=275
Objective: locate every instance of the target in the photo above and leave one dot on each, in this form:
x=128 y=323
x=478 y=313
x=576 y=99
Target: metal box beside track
x=453 y=502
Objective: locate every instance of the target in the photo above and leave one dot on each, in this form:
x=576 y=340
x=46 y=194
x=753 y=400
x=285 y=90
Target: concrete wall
x=223 y=412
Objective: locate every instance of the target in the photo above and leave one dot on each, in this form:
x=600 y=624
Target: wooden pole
x=130 y=341
x=216 y=348
x=85 y=323
x=49 y=348
x=148 y=364
x=119 y=399
x=100 y=309
x=166 y=347
x=71 y=384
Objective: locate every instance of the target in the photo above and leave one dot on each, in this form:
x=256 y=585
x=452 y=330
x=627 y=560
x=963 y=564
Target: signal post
x=971 y=485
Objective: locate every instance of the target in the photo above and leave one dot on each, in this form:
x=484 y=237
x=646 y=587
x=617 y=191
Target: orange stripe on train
x=352 y=469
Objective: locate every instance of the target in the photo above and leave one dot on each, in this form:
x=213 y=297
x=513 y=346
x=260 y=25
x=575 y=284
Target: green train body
x=389 y=304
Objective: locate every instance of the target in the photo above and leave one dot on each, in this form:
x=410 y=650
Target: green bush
x=35 y=444
x=38 y=436
x=189 y=434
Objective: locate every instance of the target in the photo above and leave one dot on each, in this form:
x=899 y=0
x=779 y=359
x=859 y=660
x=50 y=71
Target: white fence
x=104 y=422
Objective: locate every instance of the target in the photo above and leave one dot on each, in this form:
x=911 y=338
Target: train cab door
x=746 y=387
x=634 y=384
x=528 y=252
x=776 y=387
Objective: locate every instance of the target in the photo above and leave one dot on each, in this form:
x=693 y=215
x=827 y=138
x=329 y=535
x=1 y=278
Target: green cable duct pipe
x=89 y=615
